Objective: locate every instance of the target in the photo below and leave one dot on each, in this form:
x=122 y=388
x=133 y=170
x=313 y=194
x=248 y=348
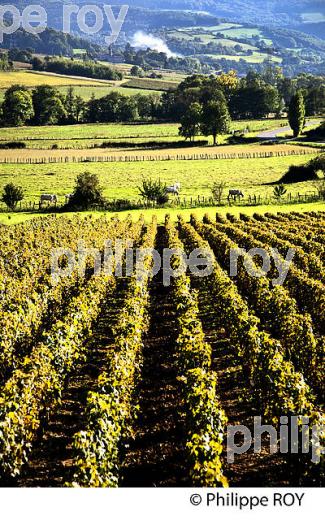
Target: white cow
x=175 y=189
x=234 y=194
x=52 y=199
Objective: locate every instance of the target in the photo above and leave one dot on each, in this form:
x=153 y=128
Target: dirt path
x=155 y=457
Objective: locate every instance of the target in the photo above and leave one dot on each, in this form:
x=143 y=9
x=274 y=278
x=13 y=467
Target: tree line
x=89 y=69
x=197 y=103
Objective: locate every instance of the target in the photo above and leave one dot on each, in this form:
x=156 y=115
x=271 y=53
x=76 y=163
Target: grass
x=137 y=151
x=121 y=131
x=151 y=84
x=100 y=91
x=90 y=131
x=17 y=218
x=257 y=57
x=82 y=87
x=121 y=180
x=232 y=43
x=241 y=32
x=30 y=79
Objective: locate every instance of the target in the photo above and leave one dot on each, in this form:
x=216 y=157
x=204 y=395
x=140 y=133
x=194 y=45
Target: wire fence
x=177 y=202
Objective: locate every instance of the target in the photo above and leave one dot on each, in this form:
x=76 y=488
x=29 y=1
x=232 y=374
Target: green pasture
x=87 y=92
x=96 y=131
x=256 y=57
x=121 y=180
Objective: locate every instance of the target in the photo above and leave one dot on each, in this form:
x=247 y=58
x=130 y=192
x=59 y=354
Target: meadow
x=121 y=180
x=256 y=57
x=32 y=79
x=120 y=131
x=227 y=34
x=85 y=88
x=100 y=91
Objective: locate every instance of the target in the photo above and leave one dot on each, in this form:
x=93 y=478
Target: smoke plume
x=141 y=40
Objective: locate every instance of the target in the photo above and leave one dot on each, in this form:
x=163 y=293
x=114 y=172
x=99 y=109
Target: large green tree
x=17 y=107
x=191 y=121
x=48 y=106
x=297 y=113
x=215 y=118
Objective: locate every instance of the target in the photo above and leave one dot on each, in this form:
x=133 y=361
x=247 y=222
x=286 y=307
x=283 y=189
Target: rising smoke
x=140 y=40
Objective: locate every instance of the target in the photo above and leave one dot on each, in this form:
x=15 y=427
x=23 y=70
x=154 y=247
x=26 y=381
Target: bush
x=163 y=199
x=13 y=145
x=87 y=193
x=153 y=191
x=12 y=195
x=279 y=191
x=217 y=190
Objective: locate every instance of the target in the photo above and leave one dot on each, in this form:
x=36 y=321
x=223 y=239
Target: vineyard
x=115 y=379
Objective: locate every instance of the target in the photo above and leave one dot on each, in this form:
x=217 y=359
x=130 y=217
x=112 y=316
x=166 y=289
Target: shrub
x=12 y=195
x=13 y=145
x=153 y=191
x=87 y=193
x=218 y=190
x=163 y=199
x=279 y=191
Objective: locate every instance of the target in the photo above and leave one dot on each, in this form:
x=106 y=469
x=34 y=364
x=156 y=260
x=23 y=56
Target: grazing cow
x=174 y=190
x=235 y=194
x=52 y=199
x=68 y=198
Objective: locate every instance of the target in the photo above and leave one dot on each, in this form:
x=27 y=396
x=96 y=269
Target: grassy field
x=256 y=57
x=100 y=91
x=227 y=34
x=84 y=88
x=120 y=131
x=137 y=150
x=151 y=84
x=16 y=218
x=121 y=180
x=30 y=79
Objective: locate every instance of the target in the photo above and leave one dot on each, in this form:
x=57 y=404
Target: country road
x=273 y=134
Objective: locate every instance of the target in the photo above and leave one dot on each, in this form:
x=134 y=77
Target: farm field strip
x=309 y=263
x=110 y=413
x=308 y=242
x=32 y=301
x=32 y=79
x=199 y=385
